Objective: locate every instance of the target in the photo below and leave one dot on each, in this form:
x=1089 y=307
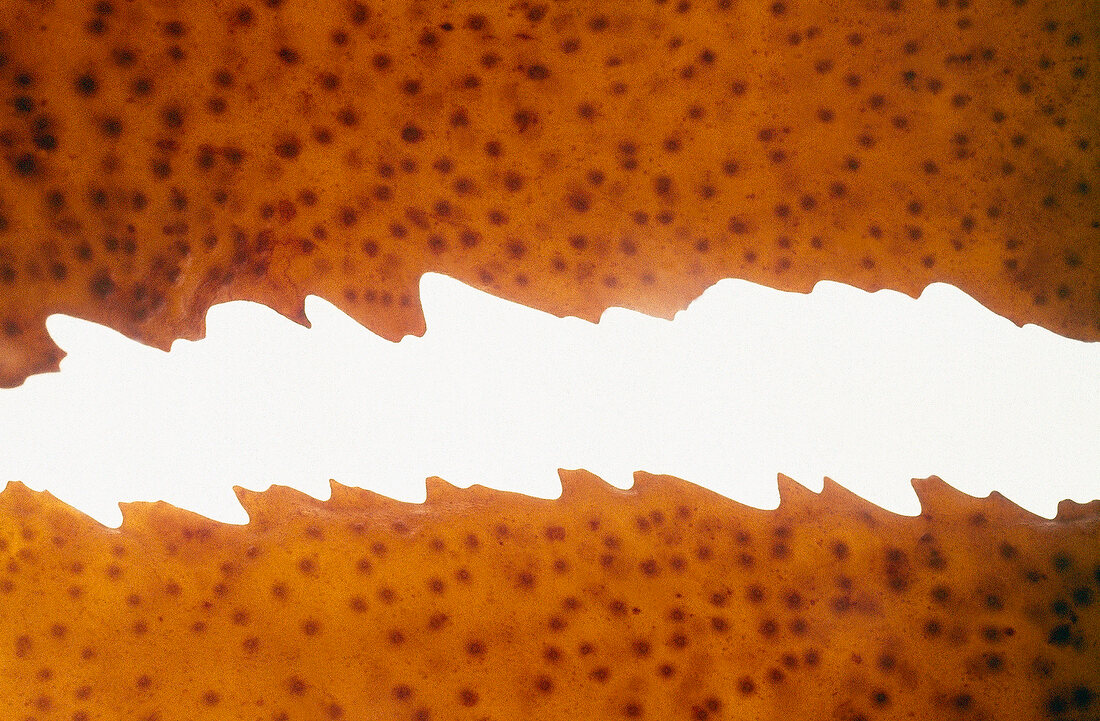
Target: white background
x=869 y=389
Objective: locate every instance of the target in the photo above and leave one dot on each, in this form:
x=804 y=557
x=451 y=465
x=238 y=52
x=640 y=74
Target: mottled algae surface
x=157 y=157
x=665 y=601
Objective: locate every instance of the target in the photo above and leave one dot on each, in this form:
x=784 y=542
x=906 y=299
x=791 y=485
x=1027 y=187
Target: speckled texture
x=159 y=157
x=662 y=602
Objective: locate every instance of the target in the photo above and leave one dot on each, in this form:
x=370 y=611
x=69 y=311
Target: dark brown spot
x=288 y=147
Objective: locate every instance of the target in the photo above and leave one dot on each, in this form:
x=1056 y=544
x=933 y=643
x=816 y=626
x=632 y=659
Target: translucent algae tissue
x=664 y=602
x=159 y=157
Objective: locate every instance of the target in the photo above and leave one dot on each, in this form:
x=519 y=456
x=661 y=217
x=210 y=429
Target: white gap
x=870 y=389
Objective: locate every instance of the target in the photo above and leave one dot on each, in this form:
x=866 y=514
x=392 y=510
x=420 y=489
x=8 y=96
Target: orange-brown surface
x=664 y=602
x=159 y=157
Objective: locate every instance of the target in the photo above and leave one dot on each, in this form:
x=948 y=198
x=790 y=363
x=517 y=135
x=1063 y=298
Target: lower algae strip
x=159 y=157
x=663 y=602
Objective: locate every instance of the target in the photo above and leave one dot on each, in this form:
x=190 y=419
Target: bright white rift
x=869 y=389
